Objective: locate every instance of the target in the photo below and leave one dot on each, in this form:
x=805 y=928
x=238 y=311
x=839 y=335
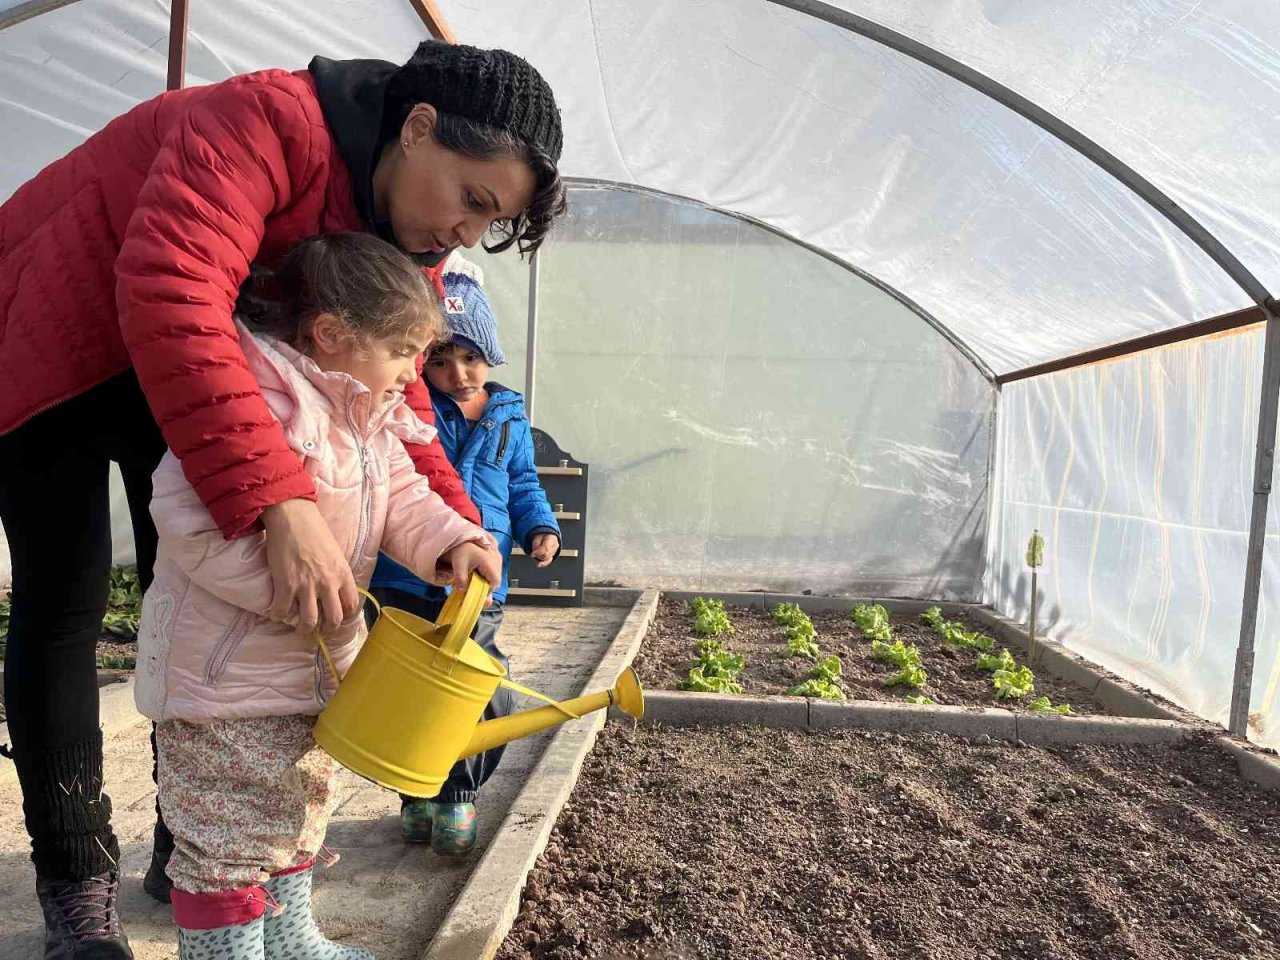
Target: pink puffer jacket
x=206 y=649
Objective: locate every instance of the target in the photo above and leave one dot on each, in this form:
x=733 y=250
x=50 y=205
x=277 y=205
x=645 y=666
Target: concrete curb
x=810 y=603
x=116 y=714
x=481 y=917
x=795 y=713
x=1255 y=766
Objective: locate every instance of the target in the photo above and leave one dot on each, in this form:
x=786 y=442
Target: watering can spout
x=626 y=695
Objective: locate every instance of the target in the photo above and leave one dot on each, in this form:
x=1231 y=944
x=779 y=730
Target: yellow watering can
x=410 y=706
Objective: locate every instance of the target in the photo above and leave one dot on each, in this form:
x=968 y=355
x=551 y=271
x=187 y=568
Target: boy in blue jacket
x=486 y=436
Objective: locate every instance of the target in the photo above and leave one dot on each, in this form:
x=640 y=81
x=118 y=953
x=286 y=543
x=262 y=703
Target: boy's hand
x=545 y=546
x=456 y=566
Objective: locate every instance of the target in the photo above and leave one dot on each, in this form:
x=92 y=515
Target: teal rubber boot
x=241 y=942
x=415 y=820
x=453 y=829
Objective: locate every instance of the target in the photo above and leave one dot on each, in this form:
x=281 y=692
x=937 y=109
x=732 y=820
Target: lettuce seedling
x=789 y=613
x=822 y=682
x=897 y=654
x=716 y=670
x=873 y=620
x=699 y=682
x=991 y=662
x=933 y=619
x=709 y=617
x=1014 y=684
x=912 y=675
x=917 y=698
x=955 y=633
x=801 y=644
x=1044 y=705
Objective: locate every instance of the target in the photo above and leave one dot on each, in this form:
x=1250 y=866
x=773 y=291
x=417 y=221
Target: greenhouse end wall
x=755 y=415
x=1139 y=474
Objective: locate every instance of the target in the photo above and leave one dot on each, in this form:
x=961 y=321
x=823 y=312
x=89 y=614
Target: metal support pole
x=178 y=18
x=1263 y=466
x=531 y=343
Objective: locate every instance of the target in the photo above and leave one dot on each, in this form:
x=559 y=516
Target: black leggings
x=54 y=505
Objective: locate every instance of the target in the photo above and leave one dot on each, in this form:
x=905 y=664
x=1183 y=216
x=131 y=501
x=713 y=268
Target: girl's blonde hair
x=376 y=291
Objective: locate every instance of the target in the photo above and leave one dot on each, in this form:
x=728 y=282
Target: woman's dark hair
x=479 y=141
x=369 y=285
x=490 y=104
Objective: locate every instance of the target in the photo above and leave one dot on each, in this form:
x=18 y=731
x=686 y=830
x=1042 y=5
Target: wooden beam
x=1190 y=331
x=179 y=14
x=433 y=19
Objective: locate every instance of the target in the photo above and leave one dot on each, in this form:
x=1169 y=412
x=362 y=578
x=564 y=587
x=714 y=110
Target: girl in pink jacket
x=235 y=694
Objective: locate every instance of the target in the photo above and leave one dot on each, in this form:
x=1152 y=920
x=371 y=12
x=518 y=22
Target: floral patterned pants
x=244 y=799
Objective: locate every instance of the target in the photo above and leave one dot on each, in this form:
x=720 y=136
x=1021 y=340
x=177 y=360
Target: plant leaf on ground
x=802 y=636
x=917 y=698
x=933 y=619
x=873 y=620
x=1044 y=705
x=709 y=617
x=1014 y=684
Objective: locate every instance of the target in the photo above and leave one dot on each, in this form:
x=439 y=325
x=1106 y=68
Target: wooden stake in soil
x=1035 y=557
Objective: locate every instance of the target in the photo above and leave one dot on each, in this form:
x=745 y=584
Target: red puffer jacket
x=130 y=251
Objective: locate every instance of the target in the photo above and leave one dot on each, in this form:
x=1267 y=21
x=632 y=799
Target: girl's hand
x=310 y=577
x=545 y=546
x=465 y=558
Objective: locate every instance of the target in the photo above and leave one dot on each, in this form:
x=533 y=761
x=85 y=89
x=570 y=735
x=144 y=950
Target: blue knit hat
x=468 y=318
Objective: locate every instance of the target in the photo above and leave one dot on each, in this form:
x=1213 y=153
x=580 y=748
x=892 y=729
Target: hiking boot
x=157 y=882
x=453 y=829
x=80 y=919
x=415 y=820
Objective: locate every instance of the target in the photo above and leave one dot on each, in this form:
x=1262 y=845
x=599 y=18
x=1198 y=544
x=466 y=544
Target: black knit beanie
x=488 y=86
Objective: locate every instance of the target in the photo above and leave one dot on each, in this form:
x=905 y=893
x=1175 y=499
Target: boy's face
x=457 y=370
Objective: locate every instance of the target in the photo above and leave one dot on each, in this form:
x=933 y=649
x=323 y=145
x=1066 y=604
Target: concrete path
x=383 y=895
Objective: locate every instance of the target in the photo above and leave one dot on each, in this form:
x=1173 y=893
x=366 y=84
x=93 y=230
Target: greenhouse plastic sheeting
x=754 y=414
x=1023 y=248
x=1183 y=90
x=1138 y=473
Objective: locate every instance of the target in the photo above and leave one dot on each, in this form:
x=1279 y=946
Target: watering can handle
x=460 y=613
x=328 y=659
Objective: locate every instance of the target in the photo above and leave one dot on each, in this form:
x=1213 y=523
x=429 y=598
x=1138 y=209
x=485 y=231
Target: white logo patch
x=454 y=305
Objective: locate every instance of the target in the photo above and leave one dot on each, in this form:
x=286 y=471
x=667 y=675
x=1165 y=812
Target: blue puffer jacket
x=495 y=462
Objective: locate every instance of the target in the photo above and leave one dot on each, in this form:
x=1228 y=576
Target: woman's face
x=437 y=199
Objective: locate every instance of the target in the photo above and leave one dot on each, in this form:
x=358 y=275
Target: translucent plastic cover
x=1139 y=475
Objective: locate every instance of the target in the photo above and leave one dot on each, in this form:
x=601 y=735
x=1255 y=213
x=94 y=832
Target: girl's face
x=437 y=199
x=386 y=367
x=457 y=370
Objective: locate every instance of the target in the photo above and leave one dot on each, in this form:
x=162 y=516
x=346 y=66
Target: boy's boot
x=74 y=850
x=80 y=919
x=293 y=933
x=157 y=882
x=415 y=820
x=220 y=926
x=453 y=829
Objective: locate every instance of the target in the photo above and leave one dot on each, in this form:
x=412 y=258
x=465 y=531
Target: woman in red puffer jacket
x=119 y=267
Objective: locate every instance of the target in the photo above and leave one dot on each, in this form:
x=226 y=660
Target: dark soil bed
x=668 y=652
x=750 y=843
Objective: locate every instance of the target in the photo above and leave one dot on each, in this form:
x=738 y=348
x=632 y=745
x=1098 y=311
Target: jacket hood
x=351 y=95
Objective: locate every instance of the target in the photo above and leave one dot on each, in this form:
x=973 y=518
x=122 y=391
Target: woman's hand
x=310 y=577
x=544 y=546
x=456 y=566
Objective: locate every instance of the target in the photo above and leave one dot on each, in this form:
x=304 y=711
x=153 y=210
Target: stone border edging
x=797 y=713
x=485 y=910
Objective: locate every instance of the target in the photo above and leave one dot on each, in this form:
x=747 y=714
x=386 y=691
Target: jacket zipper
x=502 y=443
x=217 y=664
x=320 y=694
x=366 y=498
